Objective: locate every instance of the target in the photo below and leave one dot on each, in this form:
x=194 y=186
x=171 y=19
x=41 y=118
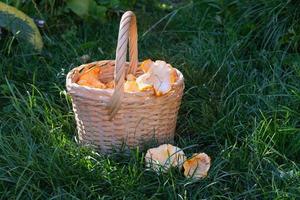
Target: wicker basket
x=109 y=118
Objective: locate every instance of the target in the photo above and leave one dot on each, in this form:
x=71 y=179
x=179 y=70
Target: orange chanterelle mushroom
x=197 y=166
x=90 y=78
x=130 y=84
x=158 y=75
x=163 y=157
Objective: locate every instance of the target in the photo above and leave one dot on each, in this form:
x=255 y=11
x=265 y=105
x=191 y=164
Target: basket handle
x=127 y=30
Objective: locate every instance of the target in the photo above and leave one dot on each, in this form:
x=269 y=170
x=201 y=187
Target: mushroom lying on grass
x=164 y=157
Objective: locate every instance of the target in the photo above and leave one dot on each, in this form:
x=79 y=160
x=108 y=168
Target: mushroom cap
x=163 y=157
x=131 y=86
x=197 y=166
x=146 y=64
x=144 y=82
x=158 y=74
x=90 y=78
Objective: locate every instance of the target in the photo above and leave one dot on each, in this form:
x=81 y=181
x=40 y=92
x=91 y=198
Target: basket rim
x=108 y=91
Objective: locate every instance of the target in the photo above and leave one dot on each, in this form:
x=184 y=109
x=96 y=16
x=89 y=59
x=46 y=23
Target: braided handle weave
x=127 y=30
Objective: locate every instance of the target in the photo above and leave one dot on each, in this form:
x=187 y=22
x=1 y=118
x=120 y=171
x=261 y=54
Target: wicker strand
x=128 y=29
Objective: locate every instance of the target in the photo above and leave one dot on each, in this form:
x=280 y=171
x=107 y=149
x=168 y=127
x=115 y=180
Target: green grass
x=241 y=106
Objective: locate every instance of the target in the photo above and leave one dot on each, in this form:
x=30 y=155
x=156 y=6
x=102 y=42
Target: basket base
x=124 y=147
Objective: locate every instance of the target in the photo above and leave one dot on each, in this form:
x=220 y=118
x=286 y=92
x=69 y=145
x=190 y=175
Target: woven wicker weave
x=109 y=118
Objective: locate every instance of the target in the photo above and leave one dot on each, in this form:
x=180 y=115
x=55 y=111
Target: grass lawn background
x=241 y=105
